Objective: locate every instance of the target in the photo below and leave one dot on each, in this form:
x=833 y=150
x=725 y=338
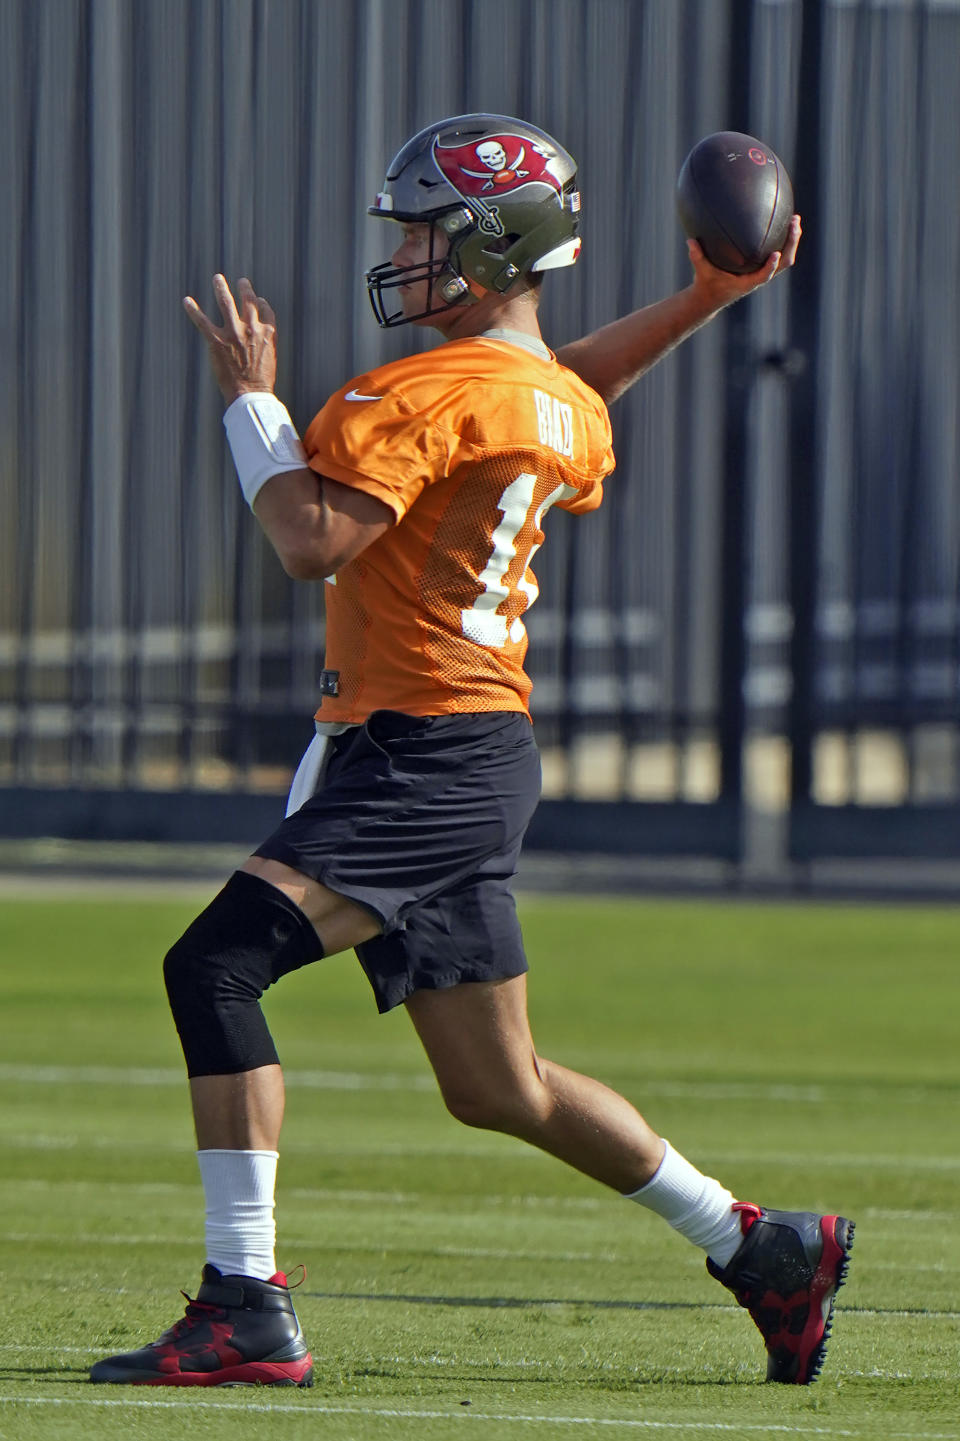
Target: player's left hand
x=243 y=350
x=722 y=288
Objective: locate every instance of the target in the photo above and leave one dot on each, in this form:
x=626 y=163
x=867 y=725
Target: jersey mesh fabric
x=469 y=446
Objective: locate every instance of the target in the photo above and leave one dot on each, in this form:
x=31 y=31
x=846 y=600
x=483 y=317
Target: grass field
x=458 y=1284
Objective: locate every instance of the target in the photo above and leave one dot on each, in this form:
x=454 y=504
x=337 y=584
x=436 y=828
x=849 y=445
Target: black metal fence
x=764 y=613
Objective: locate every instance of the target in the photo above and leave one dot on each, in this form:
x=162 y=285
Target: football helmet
x=501 y=199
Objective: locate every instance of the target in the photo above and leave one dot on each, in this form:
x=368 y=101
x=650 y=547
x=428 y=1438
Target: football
x=734 y=196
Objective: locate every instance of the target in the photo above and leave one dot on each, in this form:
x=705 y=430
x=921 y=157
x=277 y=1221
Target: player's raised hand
x=243 y=350
x=724 y=287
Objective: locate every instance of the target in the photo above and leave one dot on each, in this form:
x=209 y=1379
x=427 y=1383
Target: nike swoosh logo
x=355 y=395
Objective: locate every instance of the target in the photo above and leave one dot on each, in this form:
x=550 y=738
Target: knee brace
x=249 y=936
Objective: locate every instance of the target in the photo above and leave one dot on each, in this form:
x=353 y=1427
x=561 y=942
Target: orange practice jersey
x=469 y=445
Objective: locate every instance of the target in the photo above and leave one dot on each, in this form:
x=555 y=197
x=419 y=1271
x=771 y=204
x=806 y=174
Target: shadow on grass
x=59 y=1375
x=519 y=1302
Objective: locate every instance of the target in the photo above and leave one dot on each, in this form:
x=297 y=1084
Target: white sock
x=695 y=1205
x=238 y=1187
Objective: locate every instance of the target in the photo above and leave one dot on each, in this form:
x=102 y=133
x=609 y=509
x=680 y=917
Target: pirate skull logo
x=483 y=171
x=500 y=170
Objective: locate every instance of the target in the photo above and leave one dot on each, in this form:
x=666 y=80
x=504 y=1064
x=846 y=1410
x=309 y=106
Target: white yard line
x=467 y=1415
x=469 y=1253
x=482 y=1253
x=349 y=1196
x=494 y=1147
x=460 y=1414
x=495 y=1363
x=122 y=1076
x=153 y=1076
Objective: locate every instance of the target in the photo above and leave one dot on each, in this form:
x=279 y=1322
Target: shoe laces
x=196 y=1312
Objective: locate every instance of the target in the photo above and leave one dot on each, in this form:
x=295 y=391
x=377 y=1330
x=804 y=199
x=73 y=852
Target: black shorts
x=420 y=820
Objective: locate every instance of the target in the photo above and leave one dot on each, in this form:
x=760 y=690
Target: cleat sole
x=254 y=1373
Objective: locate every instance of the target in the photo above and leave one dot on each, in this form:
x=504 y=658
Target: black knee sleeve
x=249 y=936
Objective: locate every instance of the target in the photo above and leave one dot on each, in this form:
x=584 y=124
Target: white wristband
x=263 y=440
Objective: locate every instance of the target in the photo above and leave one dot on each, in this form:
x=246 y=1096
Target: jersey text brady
x=554 y=422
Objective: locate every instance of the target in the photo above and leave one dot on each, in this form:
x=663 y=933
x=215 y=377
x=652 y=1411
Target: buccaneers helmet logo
x=495 y=166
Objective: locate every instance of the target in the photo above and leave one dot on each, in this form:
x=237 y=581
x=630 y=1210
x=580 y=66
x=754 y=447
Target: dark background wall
x=765 y=611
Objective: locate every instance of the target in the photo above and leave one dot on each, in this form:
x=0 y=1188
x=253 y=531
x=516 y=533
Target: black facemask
x=390 y=277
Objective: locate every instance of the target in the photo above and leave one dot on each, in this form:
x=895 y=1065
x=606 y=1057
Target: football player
x=420 y=493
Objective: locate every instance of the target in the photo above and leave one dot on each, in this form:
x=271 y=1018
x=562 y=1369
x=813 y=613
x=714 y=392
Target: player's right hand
x=243 y=350
x=722 y=287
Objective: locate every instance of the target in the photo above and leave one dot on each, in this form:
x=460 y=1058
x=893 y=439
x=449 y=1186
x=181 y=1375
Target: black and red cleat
x=238 y=1332
x=786 y=1272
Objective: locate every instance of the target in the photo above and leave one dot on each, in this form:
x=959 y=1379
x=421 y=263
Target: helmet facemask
x=446 y=287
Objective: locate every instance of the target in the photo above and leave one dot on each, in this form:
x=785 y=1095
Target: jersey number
x=480 y=622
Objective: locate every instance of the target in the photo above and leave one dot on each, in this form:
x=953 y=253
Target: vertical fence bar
x=802 y=460
x=738 y=375
x=107 y=634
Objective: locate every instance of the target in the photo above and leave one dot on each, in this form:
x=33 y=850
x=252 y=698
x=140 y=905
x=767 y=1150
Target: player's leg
x=477 y=1038
x=240 y=1110
x=394 y=809
x=784 y=1266
x=478 y=1041
x=242 y=1327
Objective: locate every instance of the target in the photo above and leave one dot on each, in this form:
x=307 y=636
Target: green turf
x=459 y=1284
